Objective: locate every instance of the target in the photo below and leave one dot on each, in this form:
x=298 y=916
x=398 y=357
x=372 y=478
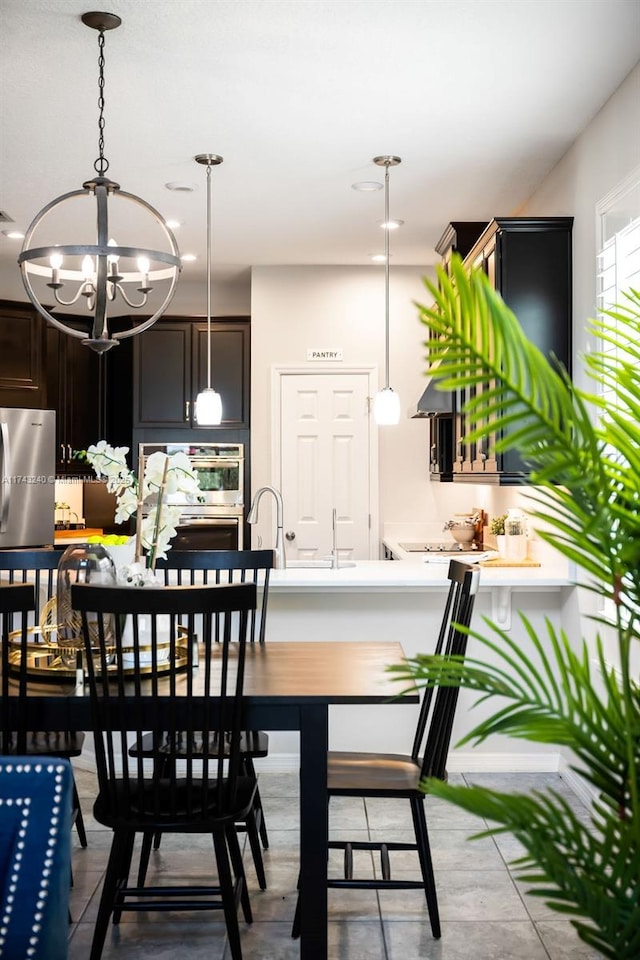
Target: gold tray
x=44 y=657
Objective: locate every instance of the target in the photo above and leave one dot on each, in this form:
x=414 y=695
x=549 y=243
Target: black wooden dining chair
x=398 y=776
x=182 y=567
x=194 y=710
x=38 y=568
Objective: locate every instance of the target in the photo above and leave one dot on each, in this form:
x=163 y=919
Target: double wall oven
x=215 y=523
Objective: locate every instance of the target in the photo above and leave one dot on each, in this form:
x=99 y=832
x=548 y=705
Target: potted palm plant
x=584 y=458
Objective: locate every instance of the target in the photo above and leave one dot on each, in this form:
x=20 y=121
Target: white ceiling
x=480 y=98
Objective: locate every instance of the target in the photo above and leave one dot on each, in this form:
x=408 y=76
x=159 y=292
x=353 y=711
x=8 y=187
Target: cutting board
x=508 y=563
x=77 y=534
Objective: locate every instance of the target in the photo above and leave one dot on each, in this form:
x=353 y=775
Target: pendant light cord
x=386 y=274
x=208 y=277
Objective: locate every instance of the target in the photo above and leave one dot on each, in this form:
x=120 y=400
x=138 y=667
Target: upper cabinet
x=75 y=390
x=459 y=237
x=170 y=369
x=42 y=367
x=528 y=261
x=22 y=356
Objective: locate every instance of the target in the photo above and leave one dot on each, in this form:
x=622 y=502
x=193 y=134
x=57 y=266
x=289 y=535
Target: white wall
x=294 y=308
x=604 y=155
x=227 y=299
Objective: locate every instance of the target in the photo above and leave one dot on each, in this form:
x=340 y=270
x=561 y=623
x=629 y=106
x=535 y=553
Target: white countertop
x=414 y=574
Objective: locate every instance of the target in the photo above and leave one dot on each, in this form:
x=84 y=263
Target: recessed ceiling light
x=367 y=186
x=391 y=225
x=13 y=234
x=378 y=257
x=188 y=257
x=181 y=187
x=173 y=224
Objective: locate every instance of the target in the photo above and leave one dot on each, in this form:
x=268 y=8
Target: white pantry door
x=325 y=463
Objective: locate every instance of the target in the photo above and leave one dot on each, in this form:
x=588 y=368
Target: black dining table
x=288 y=686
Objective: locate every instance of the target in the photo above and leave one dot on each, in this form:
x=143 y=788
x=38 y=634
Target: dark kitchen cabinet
x=528 y=261
x=459 y=237
x=22 y=356
x=170 y=369
x=75 y=390
x=441 y=447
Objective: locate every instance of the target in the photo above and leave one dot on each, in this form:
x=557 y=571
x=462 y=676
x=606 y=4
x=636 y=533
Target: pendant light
x=208 y=402
x=99 y=269
x=386 y=404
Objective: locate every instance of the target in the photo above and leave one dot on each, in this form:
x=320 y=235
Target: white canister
x=515 y=532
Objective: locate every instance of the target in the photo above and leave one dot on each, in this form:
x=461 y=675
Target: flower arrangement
x=168 y=481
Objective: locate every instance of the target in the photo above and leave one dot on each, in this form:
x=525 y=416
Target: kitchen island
x=387 y=601
x=403 y=601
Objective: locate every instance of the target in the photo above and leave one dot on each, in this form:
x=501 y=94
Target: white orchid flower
x=159 y=525
x=180 y=477
x=126 y=504
x=108 y=461
x=153 y=473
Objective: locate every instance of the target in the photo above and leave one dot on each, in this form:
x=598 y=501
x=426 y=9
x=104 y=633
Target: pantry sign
x=327 y=356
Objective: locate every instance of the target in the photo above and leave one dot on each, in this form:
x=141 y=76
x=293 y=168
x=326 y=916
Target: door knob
x=290 y=535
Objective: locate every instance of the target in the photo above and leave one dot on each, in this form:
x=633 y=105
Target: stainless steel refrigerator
x=27 y=470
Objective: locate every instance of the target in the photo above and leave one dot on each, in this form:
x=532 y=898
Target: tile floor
x=485 y=913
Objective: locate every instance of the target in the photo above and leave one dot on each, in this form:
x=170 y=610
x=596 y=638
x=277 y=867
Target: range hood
x=433 y=403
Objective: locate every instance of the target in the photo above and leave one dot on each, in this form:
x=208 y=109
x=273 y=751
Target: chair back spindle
x=15 y=599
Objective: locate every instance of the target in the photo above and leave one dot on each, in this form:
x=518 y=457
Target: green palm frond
x=584 y=459
x=552 y=699
x=580 y=869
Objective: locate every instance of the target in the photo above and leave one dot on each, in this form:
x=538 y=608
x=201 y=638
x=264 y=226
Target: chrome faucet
x=280 y=558
x=335 y=557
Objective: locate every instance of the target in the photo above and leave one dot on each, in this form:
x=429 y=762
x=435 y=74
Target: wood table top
x=328 y=671
x=295 y=672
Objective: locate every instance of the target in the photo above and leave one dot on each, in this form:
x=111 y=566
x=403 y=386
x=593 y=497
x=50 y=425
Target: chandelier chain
x=101 y=165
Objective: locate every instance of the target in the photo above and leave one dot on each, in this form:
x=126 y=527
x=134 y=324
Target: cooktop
x=435 y=546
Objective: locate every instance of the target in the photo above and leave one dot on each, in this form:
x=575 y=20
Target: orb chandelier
x=209 y=401
x=386 y=403
x=103 y=271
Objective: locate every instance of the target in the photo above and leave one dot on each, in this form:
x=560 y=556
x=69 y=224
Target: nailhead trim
x=14 y=870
